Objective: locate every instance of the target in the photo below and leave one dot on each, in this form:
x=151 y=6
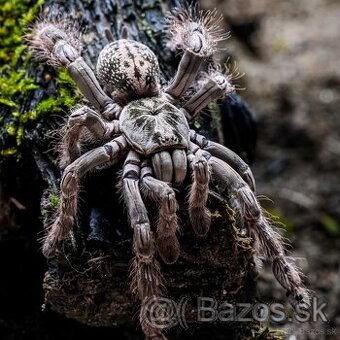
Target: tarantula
x=135 y=118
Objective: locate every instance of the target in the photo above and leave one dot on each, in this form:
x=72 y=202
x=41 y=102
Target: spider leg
x=57 y=42
x=147 y=280
x=89 y=86
x=197 y=34
x=166 y=241
x=216 y=86
x=100 y=157
x=227 y=155
x=84 y=117
x=185 y=75
x=199 y=214
x=268 y=241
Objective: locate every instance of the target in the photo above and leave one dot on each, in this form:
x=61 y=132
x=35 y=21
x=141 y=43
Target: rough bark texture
x=89 y=281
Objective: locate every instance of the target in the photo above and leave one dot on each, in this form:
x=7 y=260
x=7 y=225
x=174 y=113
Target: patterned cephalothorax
x=154 y=125
x=137 y=119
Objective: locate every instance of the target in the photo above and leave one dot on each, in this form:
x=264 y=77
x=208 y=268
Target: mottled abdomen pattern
x=128 y=70
x=153 y=124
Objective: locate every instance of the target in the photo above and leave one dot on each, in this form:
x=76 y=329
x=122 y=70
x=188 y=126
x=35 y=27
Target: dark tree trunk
x=90 y=281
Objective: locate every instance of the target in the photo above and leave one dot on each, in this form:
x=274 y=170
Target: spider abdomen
x=128 y=70
x=151 y=125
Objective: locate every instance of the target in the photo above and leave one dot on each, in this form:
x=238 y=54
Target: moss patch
x=17 y=86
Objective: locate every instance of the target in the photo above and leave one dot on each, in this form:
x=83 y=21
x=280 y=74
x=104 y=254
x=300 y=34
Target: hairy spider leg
x=267 y=240
x=57 y=42
x=217 y=86
x=227 y=155
x=80 y=118
x=197 y=35
x=147 y=281
x=199 y=214
x=103 y=156
x=185 y=75
x=167 y=224
x=89 y=86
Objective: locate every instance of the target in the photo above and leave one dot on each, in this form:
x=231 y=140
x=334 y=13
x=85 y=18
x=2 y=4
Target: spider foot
x=221 y=80
x=267 y=241
x=147 y=285
x=55 y=40
x=299 y=298
x=270 y=243
x=215 y=85
x=195 y=31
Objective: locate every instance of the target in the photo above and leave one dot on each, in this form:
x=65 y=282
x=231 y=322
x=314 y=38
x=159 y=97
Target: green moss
x=54 y=200
x=197 y=124
x=143 y=25
x=14 y=17
x=16 y=86
x=14 y=82
x=68 y=96
x=331 y=225
x=9 y=152
x=265 y=333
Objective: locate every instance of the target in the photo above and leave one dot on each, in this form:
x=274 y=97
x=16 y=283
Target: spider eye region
x=128 y=70
x=152 y=124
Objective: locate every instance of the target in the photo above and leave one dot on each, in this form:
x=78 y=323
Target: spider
x=134 y=118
